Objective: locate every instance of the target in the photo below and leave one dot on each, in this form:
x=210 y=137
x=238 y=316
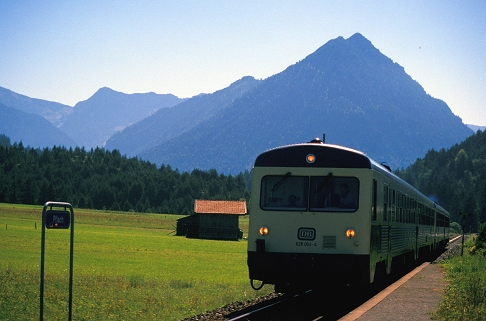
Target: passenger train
x=323 y=215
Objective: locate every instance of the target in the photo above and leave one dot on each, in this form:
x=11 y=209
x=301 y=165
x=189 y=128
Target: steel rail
x=283 y=299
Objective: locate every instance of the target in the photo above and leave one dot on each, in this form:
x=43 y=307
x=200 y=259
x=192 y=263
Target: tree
x=106 y=180
x=4 y=141
x=480 y=243
x=455 y=228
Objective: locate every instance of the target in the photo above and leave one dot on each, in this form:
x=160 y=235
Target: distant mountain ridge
x=96 y=119
x=475 y=128
x=31 y=129
x=52 y=111
x=91 y=122
x=168 y=123
x=346 y=89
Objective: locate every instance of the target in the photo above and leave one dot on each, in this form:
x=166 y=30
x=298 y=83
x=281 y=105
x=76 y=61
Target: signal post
x=58 y=218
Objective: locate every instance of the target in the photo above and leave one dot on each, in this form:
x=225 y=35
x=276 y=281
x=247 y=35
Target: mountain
x=347 y=89
x=168 y=123
x=95 y=120
x=31 y=129
x=52 y=111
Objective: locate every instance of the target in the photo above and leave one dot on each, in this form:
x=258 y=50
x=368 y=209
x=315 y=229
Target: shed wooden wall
x=218 y=227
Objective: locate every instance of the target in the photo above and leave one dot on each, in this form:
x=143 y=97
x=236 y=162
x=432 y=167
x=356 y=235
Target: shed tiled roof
x=219 y=207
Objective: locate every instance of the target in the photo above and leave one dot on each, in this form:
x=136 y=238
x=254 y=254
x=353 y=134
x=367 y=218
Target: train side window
x=333 y=194
x=393 y=206
x=373 y=198
x=407 y=209
x=421 y=214
x=413 y=205
x=399 y=207
x=284 y=192
x=385 y=202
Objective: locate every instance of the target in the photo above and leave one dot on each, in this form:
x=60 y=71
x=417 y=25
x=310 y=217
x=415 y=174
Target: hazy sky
x=65 y=51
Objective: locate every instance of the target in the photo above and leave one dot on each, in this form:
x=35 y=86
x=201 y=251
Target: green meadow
x=464 y=297
x=126 y=266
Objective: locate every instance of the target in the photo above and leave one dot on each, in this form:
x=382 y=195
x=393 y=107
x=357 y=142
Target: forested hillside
x=103 y=179
x=455 y=178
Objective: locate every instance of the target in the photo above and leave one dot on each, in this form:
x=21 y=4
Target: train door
x=375 y=235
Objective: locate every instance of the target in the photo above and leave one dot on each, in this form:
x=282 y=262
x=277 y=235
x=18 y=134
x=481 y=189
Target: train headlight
x=310 y=158
x=350 y=233
x=263 y=231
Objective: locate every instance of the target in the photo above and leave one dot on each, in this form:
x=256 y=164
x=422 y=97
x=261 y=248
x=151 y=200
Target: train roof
x=332 y=156
x=326 y=155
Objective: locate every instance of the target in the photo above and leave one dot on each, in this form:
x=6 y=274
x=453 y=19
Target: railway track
x=309 y=305
x=256 y=310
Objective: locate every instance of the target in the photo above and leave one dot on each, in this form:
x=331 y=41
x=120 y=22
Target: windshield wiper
x=280 y=182
x=324 y=183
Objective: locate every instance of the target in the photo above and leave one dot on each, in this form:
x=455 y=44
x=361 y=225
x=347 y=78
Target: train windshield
x=284 y=193
x=333 y=194
x=315 y=193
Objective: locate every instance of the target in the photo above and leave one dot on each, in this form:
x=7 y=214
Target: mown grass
x=126 y=266
x=465 y=296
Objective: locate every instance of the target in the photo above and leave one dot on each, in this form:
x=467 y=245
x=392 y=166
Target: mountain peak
x=109 y=111
x=243 y=80
x=358 y=38
x=105 y=91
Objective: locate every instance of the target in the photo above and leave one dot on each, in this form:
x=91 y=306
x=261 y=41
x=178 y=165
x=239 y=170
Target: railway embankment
x=453 y=249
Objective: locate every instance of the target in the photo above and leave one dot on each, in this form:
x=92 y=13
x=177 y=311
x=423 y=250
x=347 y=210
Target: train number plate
x=306 y=234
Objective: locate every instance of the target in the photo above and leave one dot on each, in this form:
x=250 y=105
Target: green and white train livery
x=323 y=215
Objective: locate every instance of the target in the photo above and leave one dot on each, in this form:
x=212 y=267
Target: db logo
x=306 y=233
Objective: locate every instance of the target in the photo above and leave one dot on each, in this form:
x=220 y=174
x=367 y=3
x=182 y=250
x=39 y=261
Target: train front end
x=310 y=218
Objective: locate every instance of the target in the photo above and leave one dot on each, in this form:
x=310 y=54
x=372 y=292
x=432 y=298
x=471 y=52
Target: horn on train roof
x=318 y=141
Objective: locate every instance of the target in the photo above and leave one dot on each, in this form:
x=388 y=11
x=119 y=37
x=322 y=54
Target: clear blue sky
x=65 y=51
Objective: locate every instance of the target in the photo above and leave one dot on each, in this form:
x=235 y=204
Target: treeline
x=102 y=179
x=455 y=178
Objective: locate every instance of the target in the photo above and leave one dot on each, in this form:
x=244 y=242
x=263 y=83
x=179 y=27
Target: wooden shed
x=216 y=220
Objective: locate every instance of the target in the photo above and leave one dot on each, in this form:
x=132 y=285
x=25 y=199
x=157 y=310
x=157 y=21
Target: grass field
x=126 y=266
x=465 y=296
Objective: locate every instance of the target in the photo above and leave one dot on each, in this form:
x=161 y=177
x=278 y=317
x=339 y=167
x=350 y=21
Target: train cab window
x=284 y=192
x=333 y=194
x=319 y=194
